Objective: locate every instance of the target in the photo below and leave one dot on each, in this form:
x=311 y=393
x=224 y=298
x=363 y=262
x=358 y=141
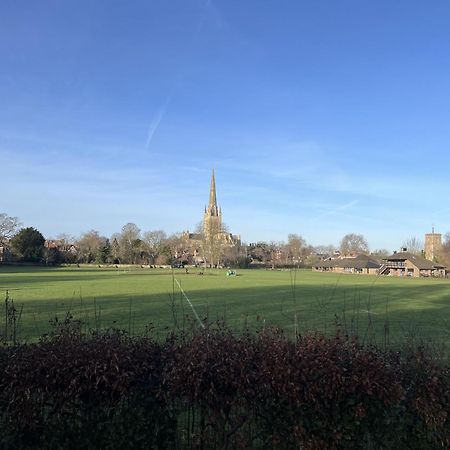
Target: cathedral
x=212 y=219
x=213 y=232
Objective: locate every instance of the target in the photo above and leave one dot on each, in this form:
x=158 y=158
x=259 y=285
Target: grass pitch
x=379 y=309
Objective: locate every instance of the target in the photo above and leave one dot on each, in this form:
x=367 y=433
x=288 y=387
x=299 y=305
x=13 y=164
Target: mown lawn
x=378 y=308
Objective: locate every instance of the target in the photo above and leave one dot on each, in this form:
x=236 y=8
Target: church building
x=214 y=232
x=212 y=219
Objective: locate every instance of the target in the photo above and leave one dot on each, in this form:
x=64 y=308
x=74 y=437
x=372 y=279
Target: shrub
x=216 y=389
x=102 y=392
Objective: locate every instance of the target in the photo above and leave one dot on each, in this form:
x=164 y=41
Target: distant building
x=361 y=264
x=433 y=245
x=399 y=264
x=406 y=264
x=61 y=245
x=212 y=218
x=212 y=228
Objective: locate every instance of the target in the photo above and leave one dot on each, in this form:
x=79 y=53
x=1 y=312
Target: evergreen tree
x=28 y=245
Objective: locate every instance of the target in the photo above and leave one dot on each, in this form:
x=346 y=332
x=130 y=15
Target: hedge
x=217 y=389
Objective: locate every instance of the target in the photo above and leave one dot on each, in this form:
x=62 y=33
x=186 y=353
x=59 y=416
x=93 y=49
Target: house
x=362 y=264
x=61 y=245
x=406 y=264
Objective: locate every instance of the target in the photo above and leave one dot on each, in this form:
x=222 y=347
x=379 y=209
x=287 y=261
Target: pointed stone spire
x=212 y=194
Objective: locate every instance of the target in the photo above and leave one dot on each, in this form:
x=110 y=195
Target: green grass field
x=132 y=298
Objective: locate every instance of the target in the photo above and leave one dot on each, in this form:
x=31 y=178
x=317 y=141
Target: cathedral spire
x=212 y=193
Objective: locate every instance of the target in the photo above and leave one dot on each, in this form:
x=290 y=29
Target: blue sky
x=321 y=118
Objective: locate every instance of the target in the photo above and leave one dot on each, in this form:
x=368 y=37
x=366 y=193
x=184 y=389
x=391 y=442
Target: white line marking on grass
x=369 y=312
x=190 y=304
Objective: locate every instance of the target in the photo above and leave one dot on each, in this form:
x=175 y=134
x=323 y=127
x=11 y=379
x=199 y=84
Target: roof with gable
x=359 y=262
x=419 y=261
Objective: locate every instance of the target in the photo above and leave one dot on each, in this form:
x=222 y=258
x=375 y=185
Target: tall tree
x=295 y=248
x=236 y=256
x=130 y=243
x=115 y=248
x=352 y=244
x=104 y=253
x=28 y=244
x=8 y=227
x=173 y=248
x=89 y=246
x=213 y=241
x=444 y=254
x=153 y=242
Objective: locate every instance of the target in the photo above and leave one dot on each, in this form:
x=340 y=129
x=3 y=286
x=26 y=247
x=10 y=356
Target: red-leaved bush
x=217 y=389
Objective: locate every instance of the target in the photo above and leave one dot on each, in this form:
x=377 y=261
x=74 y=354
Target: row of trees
x=132 y=246
x=155 y=247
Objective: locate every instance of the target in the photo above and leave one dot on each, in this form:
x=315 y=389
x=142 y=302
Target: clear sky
x=320 y=117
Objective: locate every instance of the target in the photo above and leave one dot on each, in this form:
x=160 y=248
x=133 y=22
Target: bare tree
x=8 y=227
x=352 y=244
x=89 y=246
x=174 y=248
x=444 y=254
x=130 y=243
x=153 y=242
x=213 y=241
x=276 y=252
x=325 y=250
x=413 y=245
x=295 y=248
x=235 y=256
x=381 y=253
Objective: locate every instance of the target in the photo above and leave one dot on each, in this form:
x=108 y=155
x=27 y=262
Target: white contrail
x=208 y=7
x=154 y=124
x=334 y=211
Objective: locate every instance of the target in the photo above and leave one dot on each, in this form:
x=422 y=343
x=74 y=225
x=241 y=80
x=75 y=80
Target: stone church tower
x=212 y=219
x=208 y=245
x=433 y=245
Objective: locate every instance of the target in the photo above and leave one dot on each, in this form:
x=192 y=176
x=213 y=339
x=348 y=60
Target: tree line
x=155 y=247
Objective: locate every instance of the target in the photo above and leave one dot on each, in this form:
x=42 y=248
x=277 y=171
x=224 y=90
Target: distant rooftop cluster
x=399 y=264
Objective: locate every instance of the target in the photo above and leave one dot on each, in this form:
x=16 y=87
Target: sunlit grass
x=133 y=298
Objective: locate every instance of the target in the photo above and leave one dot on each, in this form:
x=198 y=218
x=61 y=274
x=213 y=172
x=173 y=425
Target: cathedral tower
x=212 y=219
